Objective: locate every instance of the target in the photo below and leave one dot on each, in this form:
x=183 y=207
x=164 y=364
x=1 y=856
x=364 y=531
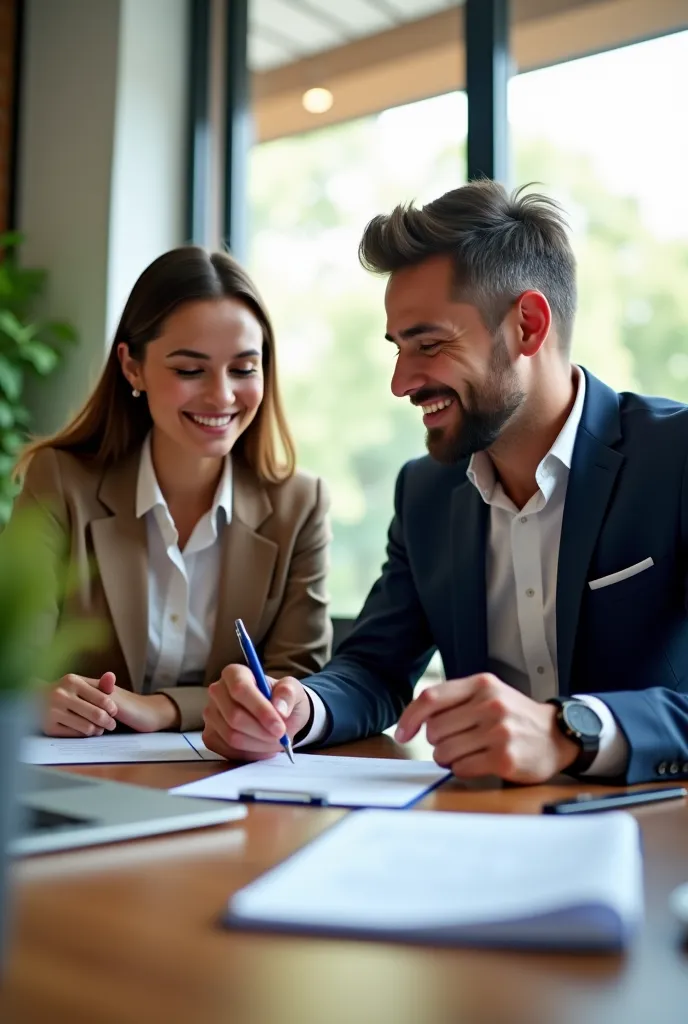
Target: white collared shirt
x=182 y=585
x=521 y=581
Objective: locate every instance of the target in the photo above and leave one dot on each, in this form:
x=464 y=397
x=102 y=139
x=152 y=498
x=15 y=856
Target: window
x=606 y=136
x=602 y=134
x=311 y=197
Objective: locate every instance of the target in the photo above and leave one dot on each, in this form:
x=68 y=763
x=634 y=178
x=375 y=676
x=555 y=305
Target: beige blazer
x=272 y=573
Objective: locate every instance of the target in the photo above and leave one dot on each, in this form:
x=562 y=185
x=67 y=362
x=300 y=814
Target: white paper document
x=442 y=878
x=319 y=778
x=117 y=748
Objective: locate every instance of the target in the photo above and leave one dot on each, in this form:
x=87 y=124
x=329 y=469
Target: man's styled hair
x=501 y=245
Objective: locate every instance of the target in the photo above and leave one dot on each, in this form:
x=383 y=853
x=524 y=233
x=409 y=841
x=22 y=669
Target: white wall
x=102 y=160
x=147 y=211
x=65 y=155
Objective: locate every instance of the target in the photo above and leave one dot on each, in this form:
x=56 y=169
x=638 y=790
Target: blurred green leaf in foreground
x=25 y=657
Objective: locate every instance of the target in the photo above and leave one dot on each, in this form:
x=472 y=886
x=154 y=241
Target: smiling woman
x=174 y=496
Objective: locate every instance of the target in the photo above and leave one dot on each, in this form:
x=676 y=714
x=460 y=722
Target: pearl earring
x=136 y=393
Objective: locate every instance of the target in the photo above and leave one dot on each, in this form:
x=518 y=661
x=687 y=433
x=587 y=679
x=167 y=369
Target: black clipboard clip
x=277 y=796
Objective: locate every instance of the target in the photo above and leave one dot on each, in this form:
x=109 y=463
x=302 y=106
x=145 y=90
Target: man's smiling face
x=449 y=364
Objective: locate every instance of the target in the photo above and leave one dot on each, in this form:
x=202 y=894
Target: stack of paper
x=443 y=878
x=117 y=748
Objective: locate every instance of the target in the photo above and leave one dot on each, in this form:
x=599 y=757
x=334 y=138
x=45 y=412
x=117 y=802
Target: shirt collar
x=149 y=495
x=562 y=448
x=481 y=472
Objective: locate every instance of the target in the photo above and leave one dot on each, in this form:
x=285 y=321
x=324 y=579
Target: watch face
x=582 y=719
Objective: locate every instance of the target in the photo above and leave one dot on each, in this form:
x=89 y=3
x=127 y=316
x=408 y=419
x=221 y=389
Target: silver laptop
x=60 y=811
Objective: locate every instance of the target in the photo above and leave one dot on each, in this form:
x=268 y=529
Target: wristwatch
x=578 y=722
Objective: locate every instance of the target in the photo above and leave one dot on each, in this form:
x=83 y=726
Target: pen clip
x=256 y=796
x=238 y=629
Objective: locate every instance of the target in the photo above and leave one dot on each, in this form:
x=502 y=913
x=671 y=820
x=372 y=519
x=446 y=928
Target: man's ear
x=534 y=321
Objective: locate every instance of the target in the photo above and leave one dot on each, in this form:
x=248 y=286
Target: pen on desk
x=588 y=802
x=263 y=685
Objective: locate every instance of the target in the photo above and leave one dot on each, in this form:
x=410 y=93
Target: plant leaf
x=28 y=282
x=5 y=509
x=11 y=239
x=43 y=358
x=22 y=415
x=11 y=326
x=70 y=637
x=62 y=331
x=29 y=333
x=11 y=379
x=6 y=415
x=12 y=441
x=26 y=649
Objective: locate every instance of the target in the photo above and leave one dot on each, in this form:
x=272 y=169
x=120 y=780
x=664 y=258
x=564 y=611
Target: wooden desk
x=127 y=934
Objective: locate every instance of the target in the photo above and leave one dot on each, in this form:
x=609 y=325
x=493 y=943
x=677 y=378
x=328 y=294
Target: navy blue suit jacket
x=627 y=500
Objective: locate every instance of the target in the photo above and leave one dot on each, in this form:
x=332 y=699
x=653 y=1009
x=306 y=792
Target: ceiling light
x=317 y=101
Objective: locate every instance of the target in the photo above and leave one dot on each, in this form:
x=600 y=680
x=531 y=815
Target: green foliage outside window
x=631 y=330
x=29 y=347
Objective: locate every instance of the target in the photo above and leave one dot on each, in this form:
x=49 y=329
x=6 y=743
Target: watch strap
x=303 y=732
x=588 y=747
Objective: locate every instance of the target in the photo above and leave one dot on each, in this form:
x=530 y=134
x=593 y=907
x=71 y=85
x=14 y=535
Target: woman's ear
x=131 y=368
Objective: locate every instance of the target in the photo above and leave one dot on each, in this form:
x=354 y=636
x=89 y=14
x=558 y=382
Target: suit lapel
x=121 y=549
x=590 y=485
x=246 y=570
x=469 y=517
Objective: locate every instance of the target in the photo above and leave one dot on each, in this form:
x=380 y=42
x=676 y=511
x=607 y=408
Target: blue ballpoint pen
x=253 y=663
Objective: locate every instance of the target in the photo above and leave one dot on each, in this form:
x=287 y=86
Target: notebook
x=323 y=780
x=459 y=879
x=117 y=748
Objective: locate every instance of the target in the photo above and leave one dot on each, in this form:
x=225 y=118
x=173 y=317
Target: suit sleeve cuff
x=319 y=725
x=191 y=702
x=612 y=756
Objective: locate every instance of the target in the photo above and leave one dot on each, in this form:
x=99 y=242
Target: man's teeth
x=436 y=406
x=212 y=421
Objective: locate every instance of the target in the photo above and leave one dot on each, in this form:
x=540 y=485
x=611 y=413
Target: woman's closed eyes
x=235 y=371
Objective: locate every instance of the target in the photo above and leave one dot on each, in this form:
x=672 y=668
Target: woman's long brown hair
x=113 y=423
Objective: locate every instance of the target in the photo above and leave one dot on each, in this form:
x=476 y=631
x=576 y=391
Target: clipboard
x=324 y=780
x=276 y=796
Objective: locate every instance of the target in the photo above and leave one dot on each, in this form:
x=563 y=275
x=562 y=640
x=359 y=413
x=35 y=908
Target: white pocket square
x=622 y=574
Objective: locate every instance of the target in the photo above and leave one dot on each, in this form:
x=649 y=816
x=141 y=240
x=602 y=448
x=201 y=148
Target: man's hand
x=146 y=712
x=480 y=726
x=78 y=706
x=242 y=725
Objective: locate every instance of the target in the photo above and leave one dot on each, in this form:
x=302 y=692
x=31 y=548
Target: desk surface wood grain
x=128 y=933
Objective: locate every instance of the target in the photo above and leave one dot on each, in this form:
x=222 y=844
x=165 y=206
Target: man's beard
x=485 y=416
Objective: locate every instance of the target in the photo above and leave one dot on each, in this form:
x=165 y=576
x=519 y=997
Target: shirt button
x=541 y=670
x=524 y=519
x=174 y=619
x=530 y=592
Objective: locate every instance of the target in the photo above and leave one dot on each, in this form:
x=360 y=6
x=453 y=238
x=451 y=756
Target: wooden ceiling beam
x=425 y=58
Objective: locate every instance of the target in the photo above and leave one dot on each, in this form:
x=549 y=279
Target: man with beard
x=541 y=546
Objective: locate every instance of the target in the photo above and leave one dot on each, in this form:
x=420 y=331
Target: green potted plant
x=29 y=347
x=26 y=656
x=20 y=602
